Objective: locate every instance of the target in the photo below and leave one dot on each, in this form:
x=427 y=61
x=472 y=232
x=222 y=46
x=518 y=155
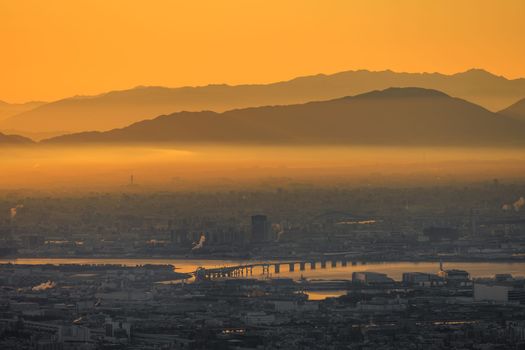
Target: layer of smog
x=214 y=167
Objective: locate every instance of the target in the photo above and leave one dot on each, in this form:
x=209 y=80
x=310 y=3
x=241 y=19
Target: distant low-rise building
x=382 y=305
x=422 y=279
x=367 y=277
x=293 y=305
x=125 y=295
x=258 y=318
x=454 y=276
x=497 y=292
x=439 y=234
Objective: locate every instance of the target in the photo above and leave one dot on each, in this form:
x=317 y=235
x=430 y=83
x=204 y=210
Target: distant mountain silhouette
x=119 y=108
x=515 y=111
x=37 y=136
x=10 y=109
x=395 y=116
x=14 y=140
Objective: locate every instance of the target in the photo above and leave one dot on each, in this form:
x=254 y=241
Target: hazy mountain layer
x=120 y=108
x=395 y=116
x=516 y=111
x=10 y=109
x=14 y=139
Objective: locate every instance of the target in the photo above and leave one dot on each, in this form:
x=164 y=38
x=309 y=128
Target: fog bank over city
x=208 y=167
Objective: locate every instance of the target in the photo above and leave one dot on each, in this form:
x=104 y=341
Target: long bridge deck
x=248 y=269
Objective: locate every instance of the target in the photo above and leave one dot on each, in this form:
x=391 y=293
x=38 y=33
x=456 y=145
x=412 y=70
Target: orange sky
x=57 y=48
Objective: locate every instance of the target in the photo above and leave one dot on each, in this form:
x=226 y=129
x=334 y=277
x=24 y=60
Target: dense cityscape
x=482 y=221
x=284 y=268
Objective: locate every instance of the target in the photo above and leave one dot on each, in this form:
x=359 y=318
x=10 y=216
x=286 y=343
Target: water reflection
x=323 y=294
x=393 y=269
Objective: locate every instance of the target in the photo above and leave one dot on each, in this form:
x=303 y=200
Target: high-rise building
x=260 y=228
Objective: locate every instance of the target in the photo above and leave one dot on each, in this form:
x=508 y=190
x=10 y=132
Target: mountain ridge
x=118 y=108
x=8 y=110
x=515 y=111
x=394 y=116
x=6 y=139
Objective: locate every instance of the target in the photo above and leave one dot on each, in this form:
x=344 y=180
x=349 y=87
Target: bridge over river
x=266 y=268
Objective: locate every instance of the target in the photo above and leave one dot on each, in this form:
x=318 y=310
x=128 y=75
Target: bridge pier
x=268 y=268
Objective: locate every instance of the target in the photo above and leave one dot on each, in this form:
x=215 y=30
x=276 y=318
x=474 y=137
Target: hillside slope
x=120 y=108
x=395 y=116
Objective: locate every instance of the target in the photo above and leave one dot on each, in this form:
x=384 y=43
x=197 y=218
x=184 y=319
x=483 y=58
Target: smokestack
x=519 y=204
x=200 y=243
x=13 y=211
x=44 y=286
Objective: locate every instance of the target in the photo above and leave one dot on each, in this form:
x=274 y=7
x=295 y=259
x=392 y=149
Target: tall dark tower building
x=260 y=228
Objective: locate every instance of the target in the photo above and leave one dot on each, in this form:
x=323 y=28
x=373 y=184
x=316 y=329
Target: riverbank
x=394 y=269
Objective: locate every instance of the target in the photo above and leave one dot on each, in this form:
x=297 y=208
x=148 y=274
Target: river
x=392 y=269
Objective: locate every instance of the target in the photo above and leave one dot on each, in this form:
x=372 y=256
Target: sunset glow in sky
x=59 y=48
